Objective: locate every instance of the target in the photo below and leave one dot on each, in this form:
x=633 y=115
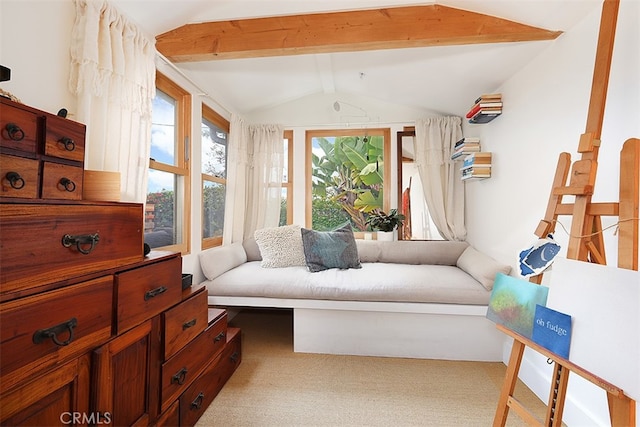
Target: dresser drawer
x=62 y=182
x=184 y=322
x=37 y=241
x=46 y=329
x=144 y=292
x=197 y=398
x=64 y=138
x=19 y=177
x=185 y=366
x=18 y=127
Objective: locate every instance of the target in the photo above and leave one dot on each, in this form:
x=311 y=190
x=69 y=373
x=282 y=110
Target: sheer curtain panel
x=254 y=180
x=442 y=185
x=113 y=77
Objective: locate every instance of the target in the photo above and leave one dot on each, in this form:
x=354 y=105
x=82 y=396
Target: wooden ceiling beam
x=372 y=29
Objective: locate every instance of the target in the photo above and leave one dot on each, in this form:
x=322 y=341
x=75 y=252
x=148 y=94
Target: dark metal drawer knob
x=84 y=243
x=179 y=377
x=186 y=325
x=68 y=143
x=219 y=337
x=197 y=402
x=15 y=180
x=67 y=184
x=42 y=334
x=14 y=132
x=154 y=293
x=234 y=357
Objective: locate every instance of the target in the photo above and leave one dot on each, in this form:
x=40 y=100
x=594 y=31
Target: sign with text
x=552 y=330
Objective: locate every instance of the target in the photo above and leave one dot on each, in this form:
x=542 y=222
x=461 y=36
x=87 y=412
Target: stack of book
x=476 y=165
x=465 y=146
x=485 y=108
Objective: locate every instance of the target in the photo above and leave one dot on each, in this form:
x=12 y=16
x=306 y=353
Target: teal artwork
x=513 y=303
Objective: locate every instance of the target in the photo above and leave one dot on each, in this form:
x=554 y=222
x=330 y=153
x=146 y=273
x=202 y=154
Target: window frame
x=288 y=184
x=212 y=116
x=310 y=134
x=182 y=168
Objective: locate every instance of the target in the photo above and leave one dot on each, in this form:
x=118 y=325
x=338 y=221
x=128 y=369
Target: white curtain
x=443 y=188
x=254 y=178
x=113 y=76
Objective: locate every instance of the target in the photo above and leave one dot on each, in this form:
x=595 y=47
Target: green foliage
x=327 y=214
x=213 y=210
x=163 y=202
x=350 y=174
x=380 y=221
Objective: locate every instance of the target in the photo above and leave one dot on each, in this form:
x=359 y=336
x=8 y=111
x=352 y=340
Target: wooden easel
x=586 y=242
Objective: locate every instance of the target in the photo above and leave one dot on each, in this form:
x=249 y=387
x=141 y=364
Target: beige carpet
x=276 y=387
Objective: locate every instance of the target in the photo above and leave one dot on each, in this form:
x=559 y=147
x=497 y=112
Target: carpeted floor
x=276 y=387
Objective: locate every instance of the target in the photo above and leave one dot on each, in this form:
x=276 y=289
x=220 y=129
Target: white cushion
x=481 y=267
x=221 y=259
x=375 y=281
x=280 y=246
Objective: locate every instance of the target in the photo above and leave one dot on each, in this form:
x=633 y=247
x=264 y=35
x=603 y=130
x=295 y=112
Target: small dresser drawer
x=197 y=398
x=45 y=329
x=19 y=177
x=18 y=127
x=184 y=322
x=62 y=182
x=146 y=291
x=64 y=138
x=44 y=244
x=180 y=371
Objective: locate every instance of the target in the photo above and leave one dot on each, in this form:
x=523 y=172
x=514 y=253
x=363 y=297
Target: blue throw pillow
x=330 y=249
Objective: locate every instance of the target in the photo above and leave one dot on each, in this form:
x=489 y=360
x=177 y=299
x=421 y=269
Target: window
x=215 y=131
x=167 y=209
x=346 y=176
x=286 y=206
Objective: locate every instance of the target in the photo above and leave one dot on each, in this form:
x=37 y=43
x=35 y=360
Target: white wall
x=545 y=109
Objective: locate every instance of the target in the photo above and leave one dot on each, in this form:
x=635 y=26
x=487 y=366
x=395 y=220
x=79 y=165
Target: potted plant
x=384 y=223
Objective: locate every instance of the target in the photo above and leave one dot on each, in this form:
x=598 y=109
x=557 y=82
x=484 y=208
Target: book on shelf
x=483 y=118
x=463 y=151
x=474 y=172
x=488 y=97
x=477 y=159
x=483 y=107
x=467 y=140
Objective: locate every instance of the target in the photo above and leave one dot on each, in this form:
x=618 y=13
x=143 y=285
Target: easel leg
x=509 y=385
x=622 y=410
x=558 y=392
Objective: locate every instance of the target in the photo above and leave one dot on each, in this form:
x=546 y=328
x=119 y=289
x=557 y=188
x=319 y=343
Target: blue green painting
x=513 y=303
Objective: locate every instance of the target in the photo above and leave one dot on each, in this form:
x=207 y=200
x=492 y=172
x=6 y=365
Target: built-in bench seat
x=422 y=299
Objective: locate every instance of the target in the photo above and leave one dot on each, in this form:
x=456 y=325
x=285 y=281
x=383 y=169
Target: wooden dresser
x=91 y=331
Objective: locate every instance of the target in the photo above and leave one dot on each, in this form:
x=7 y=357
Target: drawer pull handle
x=179 y=377
x=188 y=324
x=42 y=334
x=68 y=143
x=219 y=337
x=67 y=184
x=154 y=293
x=84 y=242
x=197 y=402
x=234 y=357
x=15 y=180
x=14 y=132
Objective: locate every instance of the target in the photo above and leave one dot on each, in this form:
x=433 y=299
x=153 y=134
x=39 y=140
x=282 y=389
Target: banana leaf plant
x=349 y=171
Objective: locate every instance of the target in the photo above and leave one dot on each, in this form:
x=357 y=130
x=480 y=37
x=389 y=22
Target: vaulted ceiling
x=252 y=55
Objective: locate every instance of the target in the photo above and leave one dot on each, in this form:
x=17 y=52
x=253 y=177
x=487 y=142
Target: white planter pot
x=385 y=236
